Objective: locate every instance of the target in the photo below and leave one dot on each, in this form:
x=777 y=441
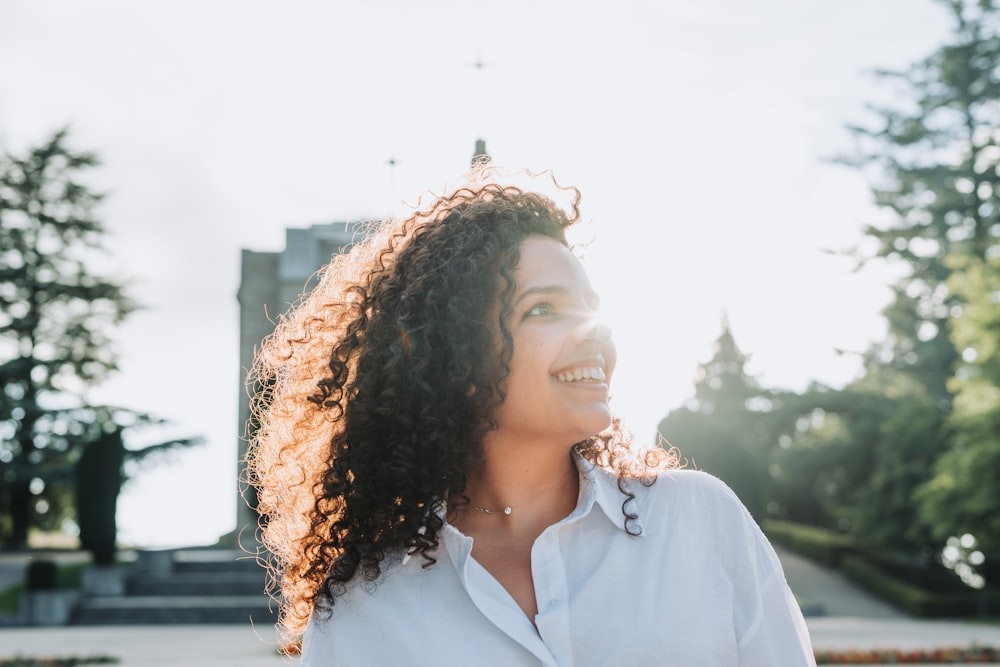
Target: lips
x=582 y=374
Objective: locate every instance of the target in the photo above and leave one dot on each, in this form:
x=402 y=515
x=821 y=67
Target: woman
x=443 y=482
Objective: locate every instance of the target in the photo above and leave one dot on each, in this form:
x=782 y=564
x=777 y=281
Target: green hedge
x=913 y=600
x=68 y=576
x=819 y=544
x=929 y=576
x=41 y=575
x=927 y=592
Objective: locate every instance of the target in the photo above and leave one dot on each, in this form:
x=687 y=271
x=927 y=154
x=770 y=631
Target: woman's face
x=563 y=356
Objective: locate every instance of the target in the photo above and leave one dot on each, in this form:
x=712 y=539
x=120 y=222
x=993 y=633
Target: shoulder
x=370 y=621
x=689 y=480
x=689 y=498
x=679 y=490
x=685 y=486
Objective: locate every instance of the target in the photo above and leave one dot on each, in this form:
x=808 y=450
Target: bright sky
x=697 y=130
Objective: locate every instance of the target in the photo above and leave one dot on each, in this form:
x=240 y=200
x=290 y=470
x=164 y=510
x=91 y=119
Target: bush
x=913 y=599
x=819 y=544
x=98 y=483
x=925 y=574
x=41 y=575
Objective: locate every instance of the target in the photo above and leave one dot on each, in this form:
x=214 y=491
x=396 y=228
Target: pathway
x=827 y=592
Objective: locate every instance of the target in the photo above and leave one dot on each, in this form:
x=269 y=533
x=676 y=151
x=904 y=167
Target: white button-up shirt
x=699 y=586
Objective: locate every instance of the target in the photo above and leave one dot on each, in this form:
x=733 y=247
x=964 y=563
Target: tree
x=56 y=316
x=98 y=474
x=99 y=471
x=932 y=158
x=722 y=430
x=962 y=497
x=824 y=454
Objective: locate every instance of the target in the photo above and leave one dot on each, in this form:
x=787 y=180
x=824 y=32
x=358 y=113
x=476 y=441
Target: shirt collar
x=599 y=486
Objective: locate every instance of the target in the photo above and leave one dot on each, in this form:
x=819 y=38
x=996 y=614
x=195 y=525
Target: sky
x=700 y=132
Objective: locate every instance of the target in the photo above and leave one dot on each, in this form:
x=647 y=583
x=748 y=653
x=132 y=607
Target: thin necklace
x=506 y=510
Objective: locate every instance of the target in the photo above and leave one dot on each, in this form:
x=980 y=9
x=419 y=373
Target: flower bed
x=946 y=656
x=941 y=656
x=62 y=661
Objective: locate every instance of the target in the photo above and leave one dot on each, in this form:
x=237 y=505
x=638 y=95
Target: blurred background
x=789 y=205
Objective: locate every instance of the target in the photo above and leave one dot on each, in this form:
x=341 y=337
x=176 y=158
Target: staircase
x=184 y=586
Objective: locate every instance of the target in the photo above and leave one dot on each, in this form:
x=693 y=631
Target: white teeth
x=580 y=374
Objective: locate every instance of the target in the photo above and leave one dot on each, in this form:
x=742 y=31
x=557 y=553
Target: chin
x=594 y=425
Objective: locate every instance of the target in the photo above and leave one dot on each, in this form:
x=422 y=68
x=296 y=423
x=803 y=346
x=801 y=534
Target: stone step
x=175 y=609
x=220 y=583
x=197 y=586
x=214 y=560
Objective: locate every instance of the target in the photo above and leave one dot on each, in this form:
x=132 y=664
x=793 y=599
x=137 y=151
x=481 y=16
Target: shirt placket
x=492 y=600
x=552 y=595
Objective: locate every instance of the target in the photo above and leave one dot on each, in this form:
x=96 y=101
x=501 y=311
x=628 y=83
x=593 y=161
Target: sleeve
x=317 y=645
x=769 y=626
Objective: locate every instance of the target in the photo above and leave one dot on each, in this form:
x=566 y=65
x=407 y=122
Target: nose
x=594 y=328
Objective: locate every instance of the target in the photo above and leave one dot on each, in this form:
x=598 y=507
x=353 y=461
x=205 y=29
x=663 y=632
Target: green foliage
x=905 y=457
x=66 y=577
x=849 y=461
x=876 y=446
x=819 y=544
x=881 y=509
x=10 y=599
x=820 y=461
x=98 y=473
x=932 y=161
x=913 y=599
x=932 y=156
x=98 y=483
x=45 y=574
x=963 y=496
x=55 y=318
x=728 y=428
x=41 y=575
x=854 y=458
x=71 y=574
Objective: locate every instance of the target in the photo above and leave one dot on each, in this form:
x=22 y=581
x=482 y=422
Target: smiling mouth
x=591 y=374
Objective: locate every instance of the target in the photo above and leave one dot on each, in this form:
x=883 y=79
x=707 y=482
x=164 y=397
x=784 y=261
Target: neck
x=539 y=487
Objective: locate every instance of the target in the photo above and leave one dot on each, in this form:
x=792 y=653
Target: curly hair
x=376 y=391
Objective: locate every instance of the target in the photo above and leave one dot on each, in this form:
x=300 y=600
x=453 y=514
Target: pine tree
x=932 y=157
x=55 y=322
x=717 y=431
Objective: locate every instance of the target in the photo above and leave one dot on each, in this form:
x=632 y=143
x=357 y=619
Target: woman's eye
x=539 y=310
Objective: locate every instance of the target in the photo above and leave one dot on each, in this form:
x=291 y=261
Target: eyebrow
x=590 y=296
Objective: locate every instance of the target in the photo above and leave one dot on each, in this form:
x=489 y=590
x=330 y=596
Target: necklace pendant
x=485 y=510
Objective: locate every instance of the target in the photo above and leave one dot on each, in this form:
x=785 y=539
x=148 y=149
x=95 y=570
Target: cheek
x=610 y=353
x=529 y=361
